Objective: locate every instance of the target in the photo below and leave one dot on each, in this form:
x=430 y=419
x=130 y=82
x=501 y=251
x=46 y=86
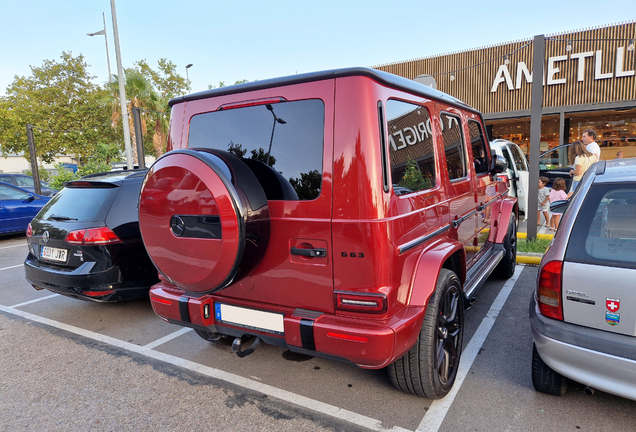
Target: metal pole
x=110 y=75
x=536 y=106
x=34 y=160
x=139 y=137
x=188 y=78
x=122 y=91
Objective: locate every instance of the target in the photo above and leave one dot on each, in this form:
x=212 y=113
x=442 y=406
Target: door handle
x=309 y=252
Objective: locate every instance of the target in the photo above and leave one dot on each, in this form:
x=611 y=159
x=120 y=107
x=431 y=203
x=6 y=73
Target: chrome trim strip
x=413 y=243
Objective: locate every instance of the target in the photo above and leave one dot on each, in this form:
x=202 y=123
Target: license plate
x=251 y=318
x=53 y=254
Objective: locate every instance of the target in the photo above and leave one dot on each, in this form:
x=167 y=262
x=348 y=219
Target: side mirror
x=559 y=207
x=29 y=199
x=498 y=164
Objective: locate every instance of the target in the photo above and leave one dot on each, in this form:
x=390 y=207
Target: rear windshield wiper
x=61 y=218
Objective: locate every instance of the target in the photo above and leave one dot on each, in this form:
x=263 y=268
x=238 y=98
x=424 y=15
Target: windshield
x=81 y=204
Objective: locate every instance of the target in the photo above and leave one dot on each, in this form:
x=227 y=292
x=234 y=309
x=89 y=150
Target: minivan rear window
x=604 y=232
x=287 y=136
x=79 y=204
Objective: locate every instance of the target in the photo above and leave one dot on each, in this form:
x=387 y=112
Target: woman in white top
x=583 y=159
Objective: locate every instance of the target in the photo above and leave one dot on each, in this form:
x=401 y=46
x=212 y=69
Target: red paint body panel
x=377 y=242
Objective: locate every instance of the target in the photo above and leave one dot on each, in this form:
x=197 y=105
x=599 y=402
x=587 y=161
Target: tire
x=506 y=267
x=544 y=379
x=430 y=367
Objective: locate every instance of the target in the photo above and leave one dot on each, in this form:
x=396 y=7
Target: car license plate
x=251 y=318
x=53 y=254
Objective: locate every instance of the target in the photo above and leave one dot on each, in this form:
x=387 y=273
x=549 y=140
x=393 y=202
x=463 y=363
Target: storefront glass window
x=616 y=131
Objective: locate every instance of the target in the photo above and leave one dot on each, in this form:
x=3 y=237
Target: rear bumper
x=599 y=359
x=368 y=343
x=83 y=282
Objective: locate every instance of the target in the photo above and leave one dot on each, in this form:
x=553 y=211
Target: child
x=557 y=194
x=544 y=201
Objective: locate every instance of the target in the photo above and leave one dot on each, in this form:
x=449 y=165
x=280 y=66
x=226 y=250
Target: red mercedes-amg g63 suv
x=349 y=214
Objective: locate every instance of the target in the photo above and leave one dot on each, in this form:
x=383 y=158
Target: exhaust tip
x=589 y=391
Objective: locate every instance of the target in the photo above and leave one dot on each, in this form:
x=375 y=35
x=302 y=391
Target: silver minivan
x=583 y=313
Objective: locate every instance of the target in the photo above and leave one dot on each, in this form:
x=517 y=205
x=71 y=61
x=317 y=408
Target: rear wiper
x=61 y=218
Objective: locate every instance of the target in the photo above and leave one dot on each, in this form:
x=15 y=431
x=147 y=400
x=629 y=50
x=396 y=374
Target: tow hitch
x=240 y=341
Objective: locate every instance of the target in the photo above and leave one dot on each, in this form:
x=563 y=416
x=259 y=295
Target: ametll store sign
x=556 y=65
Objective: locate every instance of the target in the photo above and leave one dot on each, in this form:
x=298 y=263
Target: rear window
x=604 y=232
x=287 y=136
x=81 y=204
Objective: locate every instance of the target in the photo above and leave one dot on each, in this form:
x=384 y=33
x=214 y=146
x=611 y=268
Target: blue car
x=17 y=207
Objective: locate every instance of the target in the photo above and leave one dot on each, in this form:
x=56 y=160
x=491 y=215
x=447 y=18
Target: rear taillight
x=92 y=236
x=358 y=302
x=29 y=231
x=549 y=290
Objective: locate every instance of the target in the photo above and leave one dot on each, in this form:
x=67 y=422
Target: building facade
x=589 y=83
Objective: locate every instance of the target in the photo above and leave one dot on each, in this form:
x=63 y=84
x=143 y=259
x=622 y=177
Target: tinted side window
x=604 y=231
x=478 y=144
x=411 y=148
x=10 y=193
x=520 y=159
x=453 y=139
x=287 y=136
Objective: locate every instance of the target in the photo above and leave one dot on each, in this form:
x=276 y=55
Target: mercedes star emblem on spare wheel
x=45 y=236
x=177 y=225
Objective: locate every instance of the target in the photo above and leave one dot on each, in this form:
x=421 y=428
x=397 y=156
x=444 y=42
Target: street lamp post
x=99 y=33
x=122 y=91
x=276 y=120
x=188 y=77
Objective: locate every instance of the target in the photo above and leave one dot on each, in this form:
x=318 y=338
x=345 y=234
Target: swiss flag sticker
x=612 y=305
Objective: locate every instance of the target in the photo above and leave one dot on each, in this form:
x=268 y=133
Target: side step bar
x=475 y=279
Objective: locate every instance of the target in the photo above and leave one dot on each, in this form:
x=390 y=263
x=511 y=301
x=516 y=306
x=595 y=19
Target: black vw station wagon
x=85 y=243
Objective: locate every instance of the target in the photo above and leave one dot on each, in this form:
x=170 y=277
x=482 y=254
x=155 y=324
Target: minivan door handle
x=309 y=252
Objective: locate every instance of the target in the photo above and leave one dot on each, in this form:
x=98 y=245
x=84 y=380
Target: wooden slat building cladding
x=475 y=71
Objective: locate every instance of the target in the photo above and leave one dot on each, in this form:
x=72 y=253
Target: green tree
x=413 y=178
x=68 y=111
x=140 y=93
x=308 y=185
x=166 y=81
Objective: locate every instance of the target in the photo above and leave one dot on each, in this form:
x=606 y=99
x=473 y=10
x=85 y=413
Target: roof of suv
x=115 y=176
x=616 y=170
x=385 y=78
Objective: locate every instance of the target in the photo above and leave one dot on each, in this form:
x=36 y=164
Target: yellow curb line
x=541 y=236
x=528 y=260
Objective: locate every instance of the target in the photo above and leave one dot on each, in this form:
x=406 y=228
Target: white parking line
x=33 y=301
x=438 y=409
x=12 y=246
x=430 y=423
x=165 y=339
x=302 y=401
x=15 y=266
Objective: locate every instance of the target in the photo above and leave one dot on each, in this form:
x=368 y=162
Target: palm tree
x=140 y=94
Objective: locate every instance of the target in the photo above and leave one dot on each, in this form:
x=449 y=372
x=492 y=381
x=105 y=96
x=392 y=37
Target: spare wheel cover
x=192 y=217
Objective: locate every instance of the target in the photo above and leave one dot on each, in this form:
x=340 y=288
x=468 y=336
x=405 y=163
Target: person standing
x=589 y=139
x=544 y=201
x=583 y=159
x=557 y=194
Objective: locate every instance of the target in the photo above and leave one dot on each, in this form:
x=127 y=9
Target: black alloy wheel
x=430 y=367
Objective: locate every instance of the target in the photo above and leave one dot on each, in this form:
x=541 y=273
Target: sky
x=254 y=40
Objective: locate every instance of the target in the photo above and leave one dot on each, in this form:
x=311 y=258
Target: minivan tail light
x=358 y=302
x=92 y=236
x=251 y=103
x=549 y=290
x=29 y=231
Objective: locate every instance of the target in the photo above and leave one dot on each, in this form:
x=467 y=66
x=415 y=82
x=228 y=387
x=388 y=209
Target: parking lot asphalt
x=73 y=365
